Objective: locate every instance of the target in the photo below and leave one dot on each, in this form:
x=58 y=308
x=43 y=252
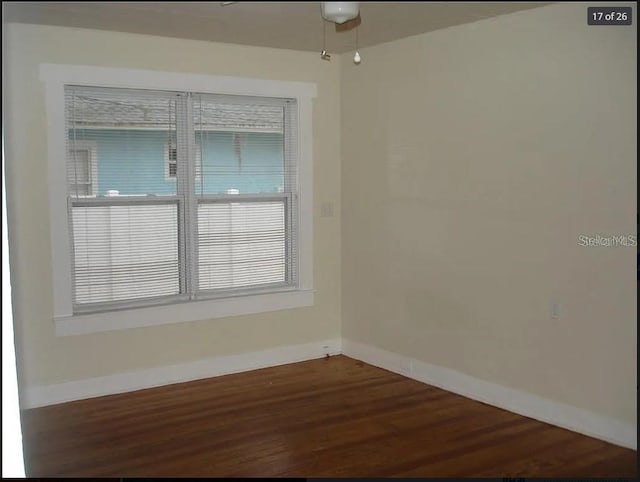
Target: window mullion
x=183 y=176
x=185 y=187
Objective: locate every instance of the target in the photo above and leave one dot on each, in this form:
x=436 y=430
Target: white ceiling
x=289 y=25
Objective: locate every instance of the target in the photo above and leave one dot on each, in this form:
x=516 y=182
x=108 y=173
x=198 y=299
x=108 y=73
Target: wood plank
x=335 y=417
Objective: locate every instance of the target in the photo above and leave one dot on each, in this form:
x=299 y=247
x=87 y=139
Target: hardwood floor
x=334 y=417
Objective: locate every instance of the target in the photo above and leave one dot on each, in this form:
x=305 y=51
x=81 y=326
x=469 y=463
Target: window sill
x=181 y=312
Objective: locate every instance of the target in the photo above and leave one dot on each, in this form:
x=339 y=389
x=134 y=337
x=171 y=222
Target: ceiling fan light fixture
x=339 y=12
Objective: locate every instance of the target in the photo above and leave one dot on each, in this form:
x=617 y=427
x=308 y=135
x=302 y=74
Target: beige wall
x=44 y=358
x=472 y=159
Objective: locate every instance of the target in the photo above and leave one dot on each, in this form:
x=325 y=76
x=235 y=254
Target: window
x=191 y=238
x=198 y=208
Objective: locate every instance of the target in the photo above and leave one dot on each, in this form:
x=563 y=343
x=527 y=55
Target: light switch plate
x=326 y=210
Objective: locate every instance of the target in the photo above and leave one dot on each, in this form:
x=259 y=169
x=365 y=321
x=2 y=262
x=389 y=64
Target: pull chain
x=356 y=57
x=324 y=55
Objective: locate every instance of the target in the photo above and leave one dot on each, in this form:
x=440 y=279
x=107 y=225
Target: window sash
x=289 y=201
x=92 y=307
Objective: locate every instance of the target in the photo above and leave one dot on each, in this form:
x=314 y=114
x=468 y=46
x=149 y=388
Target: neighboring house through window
x=83 y=174
x=171 y=161
x=177 y=195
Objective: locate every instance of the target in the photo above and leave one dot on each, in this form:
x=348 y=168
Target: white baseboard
x=37 y=396
x=522 y=403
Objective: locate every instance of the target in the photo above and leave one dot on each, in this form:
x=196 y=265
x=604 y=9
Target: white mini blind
x=246 y=192
x=176 y=195
x=241 y=244
x=124 y=212
x=125 y=252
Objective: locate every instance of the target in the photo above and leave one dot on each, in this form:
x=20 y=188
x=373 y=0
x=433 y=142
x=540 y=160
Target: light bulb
x=356 y=58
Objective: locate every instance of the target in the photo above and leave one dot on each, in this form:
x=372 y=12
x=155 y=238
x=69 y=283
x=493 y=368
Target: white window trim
x=55 y=77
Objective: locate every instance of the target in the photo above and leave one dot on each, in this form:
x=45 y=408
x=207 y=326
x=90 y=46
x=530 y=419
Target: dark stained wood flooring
x=335 y=417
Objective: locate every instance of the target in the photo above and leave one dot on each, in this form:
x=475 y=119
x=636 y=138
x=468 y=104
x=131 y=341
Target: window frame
x=55 y=77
